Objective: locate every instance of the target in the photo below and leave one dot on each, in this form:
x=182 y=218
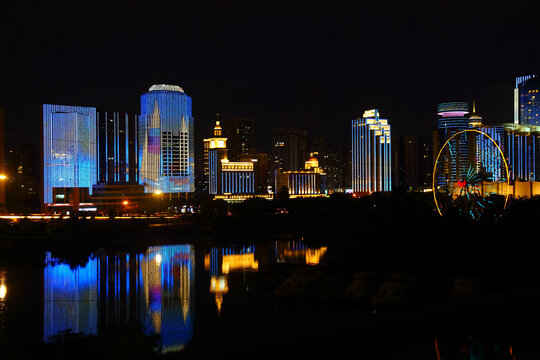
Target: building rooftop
x=164 y=87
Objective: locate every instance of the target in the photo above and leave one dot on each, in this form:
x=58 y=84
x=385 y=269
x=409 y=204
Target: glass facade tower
x=371 y=154
x=117 y=148
x=452 y=119
x=527 y=100
x=69 y=148
x=166 y=142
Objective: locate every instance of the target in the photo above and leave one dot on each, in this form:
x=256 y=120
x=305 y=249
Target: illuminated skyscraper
x=371 y=153
x=117 y=148
x=521 y=147
x=527 y=100
x=69 y=148
x=166 y=142
x=453 y=117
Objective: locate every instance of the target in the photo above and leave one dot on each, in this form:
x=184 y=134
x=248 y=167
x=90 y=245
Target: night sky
x=314 y=67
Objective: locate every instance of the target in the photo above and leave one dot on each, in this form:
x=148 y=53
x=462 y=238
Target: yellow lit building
x=226 y=177
x=307 y=182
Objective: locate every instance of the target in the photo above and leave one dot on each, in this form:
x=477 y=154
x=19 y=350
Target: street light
x=158 y=194
x=3 y=177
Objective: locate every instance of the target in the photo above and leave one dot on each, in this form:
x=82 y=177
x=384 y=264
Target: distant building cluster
x=518 y=141
x=93 y=159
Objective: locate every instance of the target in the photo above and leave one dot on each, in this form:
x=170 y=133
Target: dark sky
x=313 y=67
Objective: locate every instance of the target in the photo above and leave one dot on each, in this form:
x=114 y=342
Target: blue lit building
x=453 y=117
x=371 y=154
x=117 y=148
x=521 y=147
x=69 y=148
x=166 y=142
x=527 y=100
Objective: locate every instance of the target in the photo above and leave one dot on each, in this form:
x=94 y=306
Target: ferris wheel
x=469 y=176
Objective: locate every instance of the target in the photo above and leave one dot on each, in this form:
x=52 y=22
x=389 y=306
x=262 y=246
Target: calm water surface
x=226 y=296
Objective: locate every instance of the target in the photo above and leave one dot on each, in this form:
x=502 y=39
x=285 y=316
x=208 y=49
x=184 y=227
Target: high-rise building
x=166 y=141
x=521 y=147
x=412 y=162
x=527 y=100
x=316 y=146
x=240 y=134
x=117 y=148
x=289 y=150
x=371 y=153
x=23 y=183
x=333 y=165
x=69 y=148
x=453 y=118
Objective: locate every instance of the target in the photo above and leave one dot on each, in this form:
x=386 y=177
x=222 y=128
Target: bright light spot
x=3 y=292
x=157 y=192
x=3 y=177
x=158 y=259
x=125 y=202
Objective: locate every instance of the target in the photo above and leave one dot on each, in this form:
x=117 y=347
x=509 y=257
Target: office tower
x=398 y=176
x=411 y=157
x=240 y=134
x=521 y=147
x=310 y=181
x=452 y=119
x=226 y=177
x=166 y=142
x=69 y=148
x=371 y=154
x=289 y=149
x=317 y=146
x=527 y=100
x=23 y=183
x=426 y=163
x=3 y=176
x=117 y=148
x=411 y=162
x=332 y=165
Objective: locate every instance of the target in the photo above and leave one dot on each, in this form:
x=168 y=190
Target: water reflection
x=3 y=299
x=155 y=288
x=70 y=297
x=229 y=266
x=298 y=252
x=222 y=261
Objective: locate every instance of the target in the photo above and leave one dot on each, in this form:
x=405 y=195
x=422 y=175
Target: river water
x=222 y=299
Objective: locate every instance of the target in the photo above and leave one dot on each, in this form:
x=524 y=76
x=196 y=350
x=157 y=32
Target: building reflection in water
x=69 y=297
x=155 y=288
x=298 y=252
x=220 y=262
x=3 y=299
